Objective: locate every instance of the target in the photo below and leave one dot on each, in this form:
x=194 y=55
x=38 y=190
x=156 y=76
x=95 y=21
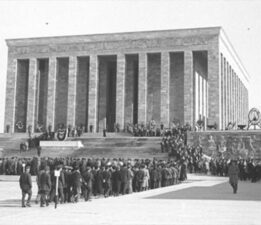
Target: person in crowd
x=76 y=181
x=146 y=178
x=87 y=178
x=44 y=183
x=233 y=172
x=25 y=182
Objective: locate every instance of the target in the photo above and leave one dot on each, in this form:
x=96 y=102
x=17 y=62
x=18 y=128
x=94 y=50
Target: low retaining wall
x=229 y=144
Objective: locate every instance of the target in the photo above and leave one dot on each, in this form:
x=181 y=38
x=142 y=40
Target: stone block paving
x=199 y=200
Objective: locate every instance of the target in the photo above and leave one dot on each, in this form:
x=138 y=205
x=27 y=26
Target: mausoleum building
x=136 y=77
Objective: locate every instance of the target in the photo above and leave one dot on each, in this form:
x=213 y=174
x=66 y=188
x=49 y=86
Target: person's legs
x=235 y=188
x=29 y=198
x=61 y=194
x=42 y=199
x=23 y=198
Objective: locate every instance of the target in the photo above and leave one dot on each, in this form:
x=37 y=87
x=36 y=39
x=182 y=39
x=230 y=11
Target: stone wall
x=228 y=143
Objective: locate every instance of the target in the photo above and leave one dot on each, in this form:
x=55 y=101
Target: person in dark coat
x=125 y=176
x=106 y=181
x=87 y=178
x=116 y=181
x=233 y=172
x=44 y=184
x=25 y=182
x=77 y=182
x=67 y=183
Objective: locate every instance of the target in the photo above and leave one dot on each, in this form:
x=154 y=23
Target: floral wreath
x=19 y=125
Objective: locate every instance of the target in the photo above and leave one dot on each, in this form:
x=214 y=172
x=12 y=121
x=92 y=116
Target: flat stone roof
x=114 y=36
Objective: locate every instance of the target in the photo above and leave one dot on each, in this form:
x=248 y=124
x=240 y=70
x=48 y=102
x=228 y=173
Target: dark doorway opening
x=107 y=93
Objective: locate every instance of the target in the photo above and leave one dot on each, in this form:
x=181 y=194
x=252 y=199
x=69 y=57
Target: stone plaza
x=186 y=74
x=199 y=200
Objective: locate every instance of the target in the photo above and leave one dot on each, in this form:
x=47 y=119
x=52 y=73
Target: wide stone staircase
x=114 y=145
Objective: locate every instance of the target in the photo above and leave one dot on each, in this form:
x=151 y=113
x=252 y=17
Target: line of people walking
x=89 y=179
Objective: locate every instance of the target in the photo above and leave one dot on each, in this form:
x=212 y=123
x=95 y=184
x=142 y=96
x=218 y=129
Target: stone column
x=245 y=105
x=142 y=92
x=188 y=87
x=32 y=89
x=72 y=81
x=237 y=100
x=165 y=82
x=93 y=93
x=214 y=91
x=51 y=92
x=229 y=93
x=222 y=93
x=120 y=90
x=10 y=94
x=233 y=96
x=225 y=92
x=195 y=89
x=240 y=102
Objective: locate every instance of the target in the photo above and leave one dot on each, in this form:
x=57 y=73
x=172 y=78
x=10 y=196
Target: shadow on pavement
x=247 y=191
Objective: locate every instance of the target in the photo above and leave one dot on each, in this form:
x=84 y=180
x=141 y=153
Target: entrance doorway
x=107 y=93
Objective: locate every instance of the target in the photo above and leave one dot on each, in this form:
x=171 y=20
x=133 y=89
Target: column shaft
x=237 y=97
x=93 y=93
x=72 y=81
x=225 y=93
x=120 y=90
x=233 y=96
x=10 y=94
x=188 y=87
x=165 y=82
x=229 y=93
x=214 y=91
x=51 y=92
x=31 y=99
x=222 y=94
x=142 y=92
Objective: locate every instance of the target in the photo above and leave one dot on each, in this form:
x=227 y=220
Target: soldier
x=25 y=182
x=233 y=172
x=44 y=184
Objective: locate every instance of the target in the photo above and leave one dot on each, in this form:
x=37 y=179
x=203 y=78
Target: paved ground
x=200 y=200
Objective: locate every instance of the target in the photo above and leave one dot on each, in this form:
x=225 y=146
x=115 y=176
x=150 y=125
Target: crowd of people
x=98 y=177
x=88 y=177
x=249 y=169
x=150 y=129
x=175 y=144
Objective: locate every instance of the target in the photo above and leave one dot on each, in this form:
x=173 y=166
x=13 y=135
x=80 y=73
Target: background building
x=186 y=74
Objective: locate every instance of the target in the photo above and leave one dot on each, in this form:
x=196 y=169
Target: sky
x=241 y=21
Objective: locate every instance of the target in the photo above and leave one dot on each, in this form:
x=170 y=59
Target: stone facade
x=121 y=78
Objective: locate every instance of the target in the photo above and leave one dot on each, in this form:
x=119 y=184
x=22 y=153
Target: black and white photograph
x=130 y=112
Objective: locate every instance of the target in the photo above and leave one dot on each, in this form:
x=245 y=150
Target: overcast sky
x=241 y=21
